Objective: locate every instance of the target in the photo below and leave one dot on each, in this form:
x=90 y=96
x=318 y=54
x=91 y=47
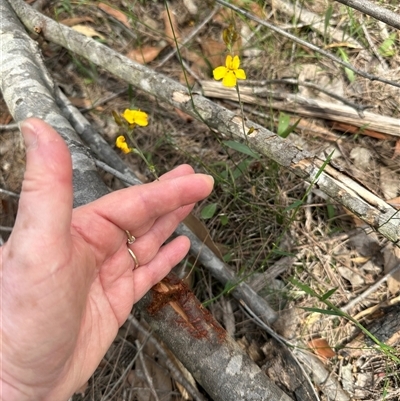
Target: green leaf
x=294 y=205
x=331 y=211
x=208 y=211
x=304 y=287
x=322 y=311
x=350 y=74
x=328 y=16
x=242 y=148
x=290 y=129
x=283 y=123
x=386 y=49
x=328 y=294
x=241 y=168
x=223 y=218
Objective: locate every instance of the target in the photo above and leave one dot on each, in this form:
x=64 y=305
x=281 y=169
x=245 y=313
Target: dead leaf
x=396 y=149
x=88 y=31
x=321 y=348
x=214 y=52
x=184 y=116
x=257 y=9
x=80 y=102
x=145 y=54
x=113 y=12
x=351 y=275
x=395 y=202
x=389 y=182
x=171 y=28
x=340 y=44
x=201 y=231
x=191 y=7
x=76 y=20
x=391 y=258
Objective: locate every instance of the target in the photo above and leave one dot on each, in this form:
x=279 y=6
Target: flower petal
x=240 y=74
x=128 y=115
x=135 y=117
x=120 y=141
x=140 y=118
x=126 y=149
x=229 y=79
x=235 y=63
x=220 y=73
x=228 y=61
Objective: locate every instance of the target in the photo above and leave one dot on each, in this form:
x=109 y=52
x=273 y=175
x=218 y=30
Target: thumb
x=45 y=205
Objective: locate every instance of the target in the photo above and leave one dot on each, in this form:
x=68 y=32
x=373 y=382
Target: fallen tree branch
x=304 y=106
x=378 y=12
x=339 y=186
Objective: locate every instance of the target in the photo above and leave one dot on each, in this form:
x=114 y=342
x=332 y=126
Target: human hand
x=66 y=275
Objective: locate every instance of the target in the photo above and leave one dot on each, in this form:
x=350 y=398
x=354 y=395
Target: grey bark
x=378 y=12
x=29 y=91
x=340 y=187
x=209 y=353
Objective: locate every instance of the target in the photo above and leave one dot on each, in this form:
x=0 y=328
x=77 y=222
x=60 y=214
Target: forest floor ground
x=271 y=228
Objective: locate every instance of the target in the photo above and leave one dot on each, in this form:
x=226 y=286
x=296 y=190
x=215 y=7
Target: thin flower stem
x=137 y=151
x=242 y=112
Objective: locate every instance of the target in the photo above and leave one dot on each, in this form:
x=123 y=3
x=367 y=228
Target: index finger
x=134 y=207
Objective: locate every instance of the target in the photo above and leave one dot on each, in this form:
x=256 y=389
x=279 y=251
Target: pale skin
x=67 y=283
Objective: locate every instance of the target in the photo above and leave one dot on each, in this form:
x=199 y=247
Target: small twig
x=8 y=193
x=370 y=290
x=175 y=372
x=190 y=71
x=145 y=371
x=8 y=127
x=307 y=44
x=192 y=34
x=358 y=107
x=105 y=99
x=372 y=45
x=122 y=377
x=121 y=176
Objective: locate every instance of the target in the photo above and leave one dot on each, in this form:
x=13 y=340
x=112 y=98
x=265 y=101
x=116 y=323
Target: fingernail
x=30 y=135
x=211 y=177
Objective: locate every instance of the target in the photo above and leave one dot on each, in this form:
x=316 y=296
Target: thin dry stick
x=8 y=127
x=8 y=193
x=358 y=107
x=307 y=44
x=175 y=372
x=370 y=290
x=188 y=38
x=375 y=11
x=372 y=45
x=147 y=376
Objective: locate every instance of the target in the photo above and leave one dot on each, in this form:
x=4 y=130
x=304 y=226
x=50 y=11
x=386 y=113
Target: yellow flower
x=135 y=117
x=231 y=73
x=120 y=143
